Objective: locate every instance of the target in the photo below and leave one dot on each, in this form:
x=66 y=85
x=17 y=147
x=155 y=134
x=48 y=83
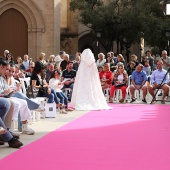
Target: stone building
x=34 y=26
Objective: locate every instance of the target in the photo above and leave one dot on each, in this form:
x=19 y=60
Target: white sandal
x=2 y=130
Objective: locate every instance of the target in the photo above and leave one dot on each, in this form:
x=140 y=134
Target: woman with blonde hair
x=101 y=60
x=106 y=77
x=120 y=82
x=51 y=59
x=42 y=58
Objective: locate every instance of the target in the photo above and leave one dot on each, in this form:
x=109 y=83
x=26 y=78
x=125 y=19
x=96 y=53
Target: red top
x=108 y=75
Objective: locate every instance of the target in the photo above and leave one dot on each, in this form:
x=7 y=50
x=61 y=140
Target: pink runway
x=128 y=137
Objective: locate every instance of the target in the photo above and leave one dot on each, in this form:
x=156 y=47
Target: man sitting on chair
x=158 y=80
x=139 y=79
x=68 y=77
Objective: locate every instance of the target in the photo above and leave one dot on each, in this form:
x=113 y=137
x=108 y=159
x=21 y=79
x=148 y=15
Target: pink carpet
x=128 y=137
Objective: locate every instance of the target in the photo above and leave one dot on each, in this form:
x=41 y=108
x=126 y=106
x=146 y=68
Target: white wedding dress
x=87 y=91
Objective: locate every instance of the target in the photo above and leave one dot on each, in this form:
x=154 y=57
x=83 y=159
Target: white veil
x=87 y=91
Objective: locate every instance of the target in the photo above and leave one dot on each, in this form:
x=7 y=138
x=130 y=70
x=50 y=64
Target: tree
x=124 y=21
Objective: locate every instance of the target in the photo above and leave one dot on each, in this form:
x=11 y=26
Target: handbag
x=31 y=93
x=120 y=85
x=42 y=91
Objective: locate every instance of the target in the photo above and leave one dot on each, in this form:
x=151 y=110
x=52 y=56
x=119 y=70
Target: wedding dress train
x=87 y=91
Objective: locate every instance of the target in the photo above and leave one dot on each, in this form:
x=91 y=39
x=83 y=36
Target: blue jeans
x=32 y=105
x=51 y=97
x=71 y=87
x=4 y=107
x=63 y=98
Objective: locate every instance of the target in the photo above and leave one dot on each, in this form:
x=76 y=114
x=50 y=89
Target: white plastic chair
x=67 y=90
x=107 y=92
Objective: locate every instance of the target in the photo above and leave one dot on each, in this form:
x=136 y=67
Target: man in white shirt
x=59 y=58
x=166 y=60
x=158 y=80
x=26 y=62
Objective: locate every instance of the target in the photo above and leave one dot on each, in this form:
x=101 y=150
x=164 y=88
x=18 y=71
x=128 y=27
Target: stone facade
x=52 y=27
x=43 y=19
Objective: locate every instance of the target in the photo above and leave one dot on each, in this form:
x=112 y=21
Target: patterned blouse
x=125 y=77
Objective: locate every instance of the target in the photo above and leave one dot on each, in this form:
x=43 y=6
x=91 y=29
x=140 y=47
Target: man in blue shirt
x=139 y=79
x=156 y=81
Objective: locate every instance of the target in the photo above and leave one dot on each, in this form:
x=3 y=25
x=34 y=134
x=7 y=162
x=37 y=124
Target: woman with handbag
x=120 y=82
x=38 y=82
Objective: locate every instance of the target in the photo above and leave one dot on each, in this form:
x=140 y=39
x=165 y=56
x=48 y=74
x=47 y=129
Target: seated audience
x=121 y=59
x=25 y=64
x=120 y=82
x=28 y=72
x=100 y=62
x=40 y=85
x=113 y=57
x=51 y=59
x=100 y=69
x=5 y=135
x=18 y=62
x=20 y=105
x=59 y=58
x=32 y=105
x=165 y=60
x=41 y=58
x=64 y=63
x=77 y=61
x=131 y=68
x=139 y=79
x=158 y=80
x=134 y=59
x=68 y=76
x=5 y=54
x=150 y=58
x=57 y=85
x=18 y=73
x=147 y=68
x=105 y=77
x=111 y=62
x=9 y=59
x=49 y=71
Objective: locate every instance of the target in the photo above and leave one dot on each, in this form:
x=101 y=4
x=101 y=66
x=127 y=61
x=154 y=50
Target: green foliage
x=125 y=22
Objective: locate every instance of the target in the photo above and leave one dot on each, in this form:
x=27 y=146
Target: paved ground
x=41 y=128
x=47 y=125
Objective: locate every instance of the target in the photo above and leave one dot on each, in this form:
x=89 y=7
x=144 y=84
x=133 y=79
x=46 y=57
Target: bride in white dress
x=87 y=91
